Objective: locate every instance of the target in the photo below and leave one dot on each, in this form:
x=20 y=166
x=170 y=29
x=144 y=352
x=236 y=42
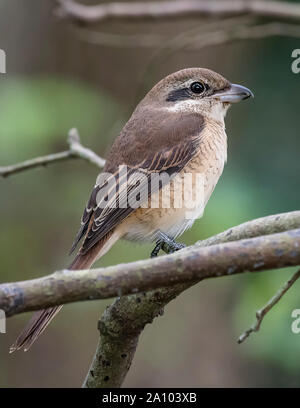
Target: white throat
x=211 y=109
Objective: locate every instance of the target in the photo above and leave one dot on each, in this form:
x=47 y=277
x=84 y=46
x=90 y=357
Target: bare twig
x=260 y=314
x=245 y=33
x=198 y=42
x=157 y=40
x=119 y=40
x=76 y=150
x=36 y=162
x=176 y=9
x=82 y=152
x=180 y=42
x=191 y=40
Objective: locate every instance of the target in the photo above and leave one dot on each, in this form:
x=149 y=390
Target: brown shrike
x=177 y=129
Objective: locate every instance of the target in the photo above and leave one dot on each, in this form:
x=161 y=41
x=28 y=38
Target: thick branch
x=124 y=320
x=76 y=150
x=176 y=9
x=271 y=224
x=270 y=251
x=120 y=327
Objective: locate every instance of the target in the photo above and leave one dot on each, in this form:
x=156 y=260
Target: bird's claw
x=167 y=244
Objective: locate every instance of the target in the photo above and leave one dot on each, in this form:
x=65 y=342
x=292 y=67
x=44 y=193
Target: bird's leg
x=157 y=248
x=167 y=244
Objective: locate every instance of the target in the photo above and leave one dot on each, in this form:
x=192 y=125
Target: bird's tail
x=40 y=320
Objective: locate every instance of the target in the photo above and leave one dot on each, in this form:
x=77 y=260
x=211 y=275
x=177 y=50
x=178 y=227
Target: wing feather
x=103 y=213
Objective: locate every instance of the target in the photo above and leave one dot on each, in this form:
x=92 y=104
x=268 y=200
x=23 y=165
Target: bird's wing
x=109 y=203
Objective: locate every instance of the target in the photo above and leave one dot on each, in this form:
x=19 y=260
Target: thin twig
x=175 y=9
x=76 y=150
x=208 y=39
x=217 y=33
x=119 y=40
x=82 y=152
x=260 y=314
x=221 y=37
x=163 y=42
x=179 y=43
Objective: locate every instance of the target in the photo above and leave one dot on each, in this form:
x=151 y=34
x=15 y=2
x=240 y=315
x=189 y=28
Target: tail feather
x=36 y=325
x=40 y=320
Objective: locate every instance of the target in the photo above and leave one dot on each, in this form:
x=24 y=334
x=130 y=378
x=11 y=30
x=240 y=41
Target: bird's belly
x=144 y=226
x=176 y=213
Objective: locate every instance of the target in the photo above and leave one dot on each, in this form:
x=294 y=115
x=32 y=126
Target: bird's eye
x=197 y=87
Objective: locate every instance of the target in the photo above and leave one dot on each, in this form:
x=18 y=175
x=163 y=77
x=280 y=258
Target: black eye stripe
x=178 y=95
x=186 y=93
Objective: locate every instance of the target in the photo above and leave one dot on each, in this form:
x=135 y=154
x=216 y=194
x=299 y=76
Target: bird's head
x=196 y=90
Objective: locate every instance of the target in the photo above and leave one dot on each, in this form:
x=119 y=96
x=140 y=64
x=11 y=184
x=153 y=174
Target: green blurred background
x=56 y=81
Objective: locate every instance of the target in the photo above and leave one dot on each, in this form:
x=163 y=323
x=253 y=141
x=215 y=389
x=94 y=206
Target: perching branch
x=76 y=150
x=187 y=266
x=176 y=9
x=124 y=320
x=260 y=314
x=271 y=224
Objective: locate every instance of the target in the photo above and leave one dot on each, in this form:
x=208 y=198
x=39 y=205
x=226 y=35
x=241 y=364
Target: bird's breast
x=178 y=204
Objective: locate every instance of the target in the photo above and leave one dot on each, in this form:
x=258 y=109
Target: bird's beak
x=235 y=93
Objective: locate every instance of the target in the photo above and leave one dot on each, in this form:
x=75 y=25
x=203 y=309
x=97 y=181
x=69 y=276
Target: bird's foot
x=157 y=248
x=167 y=244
